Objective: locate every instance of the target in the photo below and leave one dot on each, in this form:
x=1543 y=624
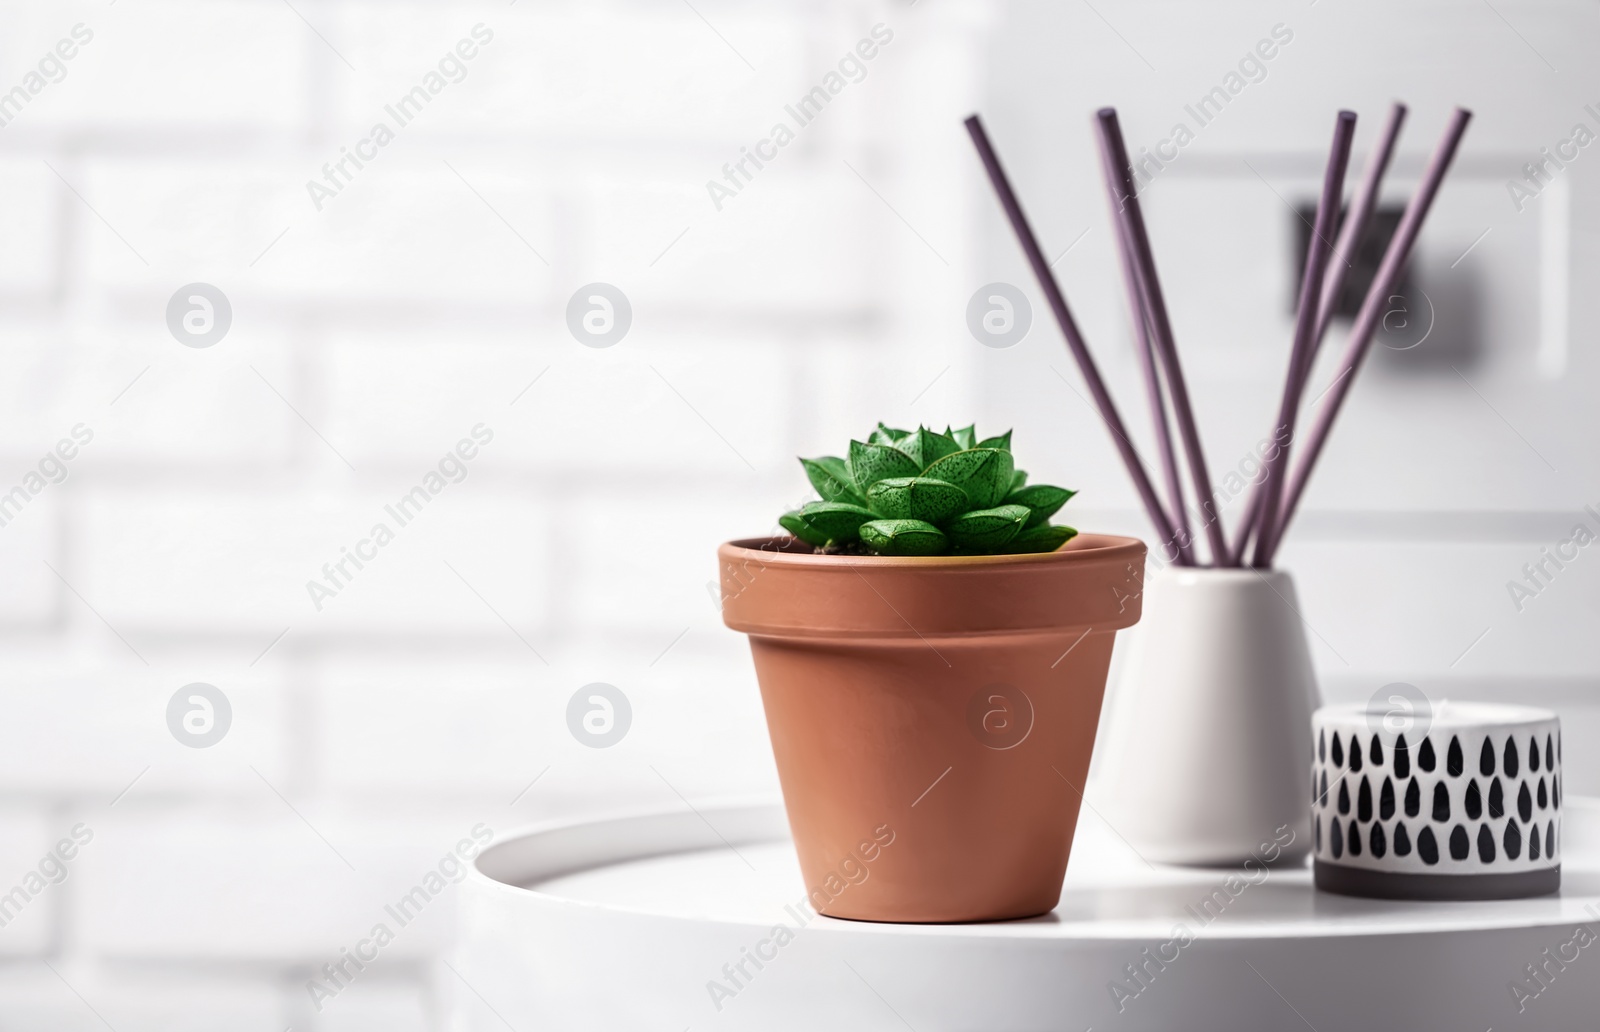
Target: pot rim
x=1082 y=548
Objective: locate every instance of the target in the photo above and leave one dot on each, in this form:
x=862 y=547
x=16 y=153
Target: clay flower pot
x=932 y=717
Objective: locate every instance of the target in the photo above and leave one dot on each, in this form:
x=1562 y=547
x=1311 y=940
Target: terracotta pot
x=932 y=717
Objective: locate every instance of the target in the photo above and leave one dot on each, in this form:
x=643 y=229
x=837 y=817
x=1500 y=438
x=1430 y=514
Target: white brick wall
x=368 y=337
x=424 y=298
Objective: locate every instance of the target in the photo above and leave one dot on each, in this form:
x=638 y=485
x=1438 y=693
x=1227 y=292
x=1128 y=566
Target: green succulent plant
x=918 y=492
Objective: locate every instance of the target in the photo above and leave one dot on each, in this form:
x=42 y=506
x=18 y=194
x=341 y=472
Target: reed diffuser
x=1276 y=495
x=1208 y=756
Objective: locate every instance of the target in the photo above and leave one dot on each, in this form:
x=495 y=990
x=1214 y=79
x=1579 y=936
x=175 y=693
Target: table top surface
x=1110 y=892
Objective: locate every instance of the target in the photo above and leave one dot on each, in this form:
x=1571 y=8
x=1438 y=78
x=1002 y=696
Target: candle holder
x=1460 y=801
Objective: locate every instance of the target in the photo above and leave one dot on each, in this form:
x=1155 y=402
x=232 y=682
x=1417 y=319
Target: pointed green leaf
x=926 y=447
x=903 y=537
x=916 y=498
x=792 y=522
x=1003 y=442
x=1041 y=539
x=888 y=435
x=965 y=437
x=870 y=463
x=983 y=473
x=834 y=521
x=987 y=530
x=1018 y=478
x=1043 y=499
x=830 y=475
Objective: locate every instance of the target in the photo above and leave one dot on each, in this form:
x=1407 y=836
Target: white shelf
x=623 y=923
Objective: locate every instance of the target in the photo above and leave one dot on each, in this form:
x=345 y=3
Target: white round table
x=696 y=920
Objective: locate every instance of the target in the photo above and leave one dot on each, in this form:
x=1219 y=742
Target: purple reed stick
x=1126 y=202
x=1372 y=308
x=1145 y=349
x=1317 y=253
x=1069 y=330
x=1362 y=206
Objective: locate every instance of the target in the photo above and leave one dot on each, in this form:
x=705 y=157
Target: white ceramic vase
x=1211 y=734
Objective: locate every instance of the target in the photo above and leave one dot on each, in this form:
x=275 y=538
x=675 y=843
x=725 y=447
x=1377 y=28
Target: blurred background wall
x=383 y=310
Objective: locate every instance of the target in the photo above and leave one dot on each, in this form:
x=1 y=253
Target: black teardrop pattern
x=1427 y=847
x=1500 y=771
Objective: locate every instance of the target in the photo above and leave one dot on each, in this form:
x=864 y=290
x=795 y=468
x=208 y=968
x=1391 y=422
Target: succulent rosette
x=919 y=492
